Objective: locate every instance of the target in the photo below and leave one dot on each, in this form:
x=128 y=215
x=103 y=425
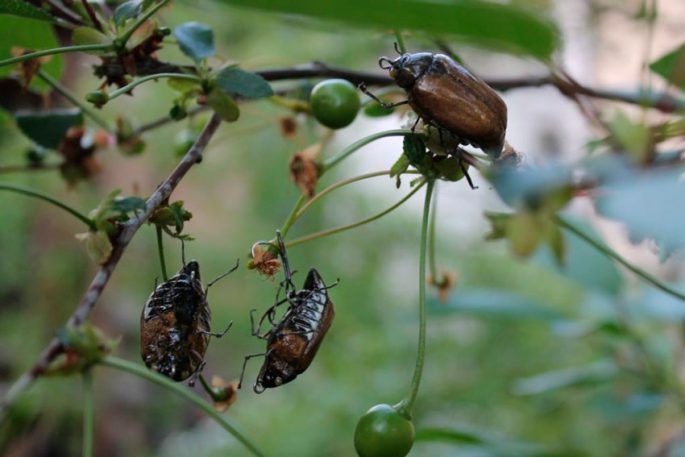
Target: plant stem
x=606 y=250
x=88 y=413
x=292 y=217
x=432 y=262
x=132 y=29
x=72 y=98
x=407 y=404
x=127 y=88
x=333 y=161
x=343 y=228
x=53 y=51
x=182 y=391
x=400 y=41
x=32 y=193
x=343 y=183
x=160 y=249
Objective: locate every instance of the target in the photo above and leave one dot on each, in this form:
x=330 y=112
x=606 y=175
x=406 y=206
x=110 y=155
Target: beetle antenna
x=183 y=252
x=385 y=63
x=396 y=45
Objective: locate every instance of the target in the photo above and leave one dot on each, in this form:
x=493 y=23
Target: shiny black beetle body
x=175 y=325
x=444 y=94
x=293 y=342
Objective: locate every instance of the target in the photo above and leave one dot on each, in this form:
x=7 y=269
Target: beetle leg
x=466 y=173
x=200 y=367
x=413 y=127
x=248 y=357
x=217 y=334
x=362 y=87
x=221 y=276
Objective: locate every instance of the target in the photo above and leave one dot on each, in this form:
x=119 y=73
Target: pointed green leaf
x=671 y=66
x=127 y=10
x=591 y=374
x=196 y=40
x=242 y=83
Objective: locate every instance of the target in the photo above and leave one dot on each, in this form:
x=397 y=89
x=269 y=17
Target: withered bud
x=304 y=169
x=228 y=393
x=288 y=126
x=444 y=283
x=265 y=261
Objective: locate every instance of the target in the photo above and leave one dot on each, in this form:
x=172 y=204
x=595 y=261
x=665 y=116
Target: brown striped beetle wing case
x=175 y=325
x=446 y=95
x=294 y=341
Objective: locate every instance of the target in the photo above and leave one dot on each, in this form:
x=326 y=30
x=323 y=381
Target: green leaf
x=98 y=245
x=242 y=83
x=451 y=435
x=415 y=150
x=24 y=9
x=32 y=35
x=374 y=109
x=647 y=202
x=88 y=35
x=47 y=128
x=196 y=40
x=500 y=26
x=128 y=204
x=223 y=105
x=493 y=303
x=127 y=10
x=635 y=137
x=591 y=374
x=671 y=66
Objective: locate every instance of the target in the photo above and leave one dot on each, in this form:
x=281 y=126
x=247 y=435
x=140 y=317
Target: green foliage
x=195 y=40
x=127 y=10
x=31 y=35
x=47 y=128
x=24 y=9
x=241 y=83
x=223 y=105
x=500 y=26
x=671 y=66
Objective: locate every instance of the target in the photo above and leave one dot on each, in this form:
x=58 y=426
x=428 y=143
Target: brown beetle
x=175 y=324
x=292 y=343
x=444 y=94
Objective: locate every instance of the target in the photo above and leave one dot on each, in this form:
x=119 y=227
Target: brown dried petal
x=265 y=261
x=304 y=169
x=288 y=126
x=445 y=283
x=230 y=393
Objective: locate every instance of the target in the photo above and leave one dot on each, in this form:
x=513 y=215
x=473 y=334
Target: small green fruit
x=383 y=432
x=335 y=103
x=97 y=98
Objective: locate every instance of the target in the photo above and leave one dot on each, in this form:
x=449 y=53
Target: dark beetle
x=446 y=95
x=175 y=324
x=292 y=342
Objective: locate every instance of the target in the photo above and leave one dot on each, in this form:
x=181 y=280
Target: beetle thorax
x=408 y=68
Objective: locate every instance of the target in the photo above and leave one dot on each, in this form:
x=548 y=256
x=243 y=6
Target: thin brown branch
x=104 y=272
x=65 y=13
x=93 y=16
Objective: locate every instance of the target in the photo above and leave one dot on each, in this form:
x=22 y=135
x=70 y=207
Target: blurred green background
x=507 y=321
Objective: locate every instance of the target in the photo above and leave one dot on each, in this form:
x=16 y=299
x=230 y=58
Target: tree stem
x=32 y=193
x=184 y=392
x=88 y=413
x=53 y=51
x=333 y=161
x=333 y=231
x=160 y=249
x=72 y=98
x=407 y=404
x=606 y=250
x=127 y=88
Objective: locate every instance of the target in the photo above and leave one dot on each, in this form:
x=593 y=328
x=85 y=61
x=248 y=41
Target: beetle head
x=192 y=269
x=274 y=373
x=407 y=68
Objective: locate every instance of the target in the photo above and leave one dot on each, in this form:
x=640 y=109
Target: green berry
x=335 y=103
x=97 y=98
x=383 y=432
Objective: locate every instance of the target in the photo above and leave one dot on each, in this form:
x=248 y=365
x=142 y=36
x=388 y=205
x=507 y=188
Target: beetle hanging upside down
x=292 y=342
x=175 y=325
x=444 y=94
